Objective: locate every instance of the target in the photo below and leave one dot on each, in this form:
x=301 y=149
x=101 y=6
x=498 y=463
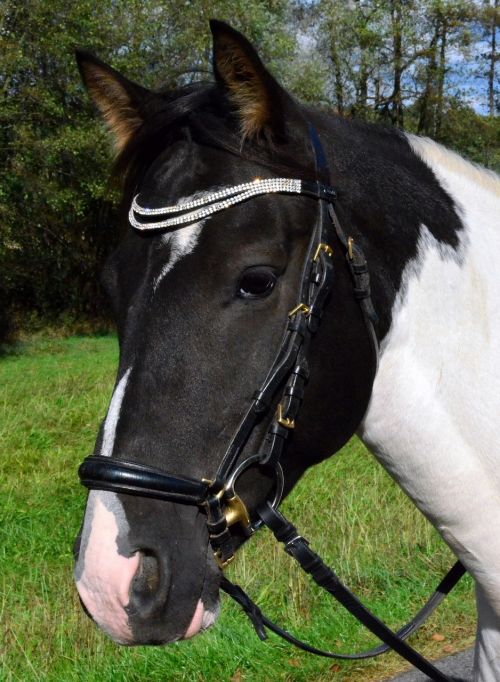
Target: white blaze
x=105 y=581
x=113 y=415
x=182 y=240
x=103 y=575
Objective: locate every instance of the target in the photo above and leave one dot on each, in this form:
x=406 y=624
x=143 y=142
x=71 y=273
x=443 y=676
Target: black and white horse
x=200 y=313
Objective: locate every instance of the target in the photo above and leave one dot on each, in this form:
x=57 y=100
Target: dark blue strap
x=322 y=169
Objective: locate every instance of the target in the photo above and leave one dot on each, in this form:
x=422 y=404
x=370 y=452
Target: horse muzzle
x=155 y=591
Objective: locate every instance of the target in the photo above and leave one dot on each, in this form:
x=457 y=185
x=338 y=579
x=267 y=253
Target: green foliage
x=57 y=218
x=381 y=60
x=476 y=137
x=53 y=393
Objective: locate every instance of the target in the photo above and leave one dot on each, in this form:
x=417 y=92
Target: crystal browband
x=212 y=202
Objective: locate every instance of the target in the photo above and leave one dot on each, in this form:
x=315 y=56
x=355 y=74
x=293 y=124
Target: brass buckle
x=220 y=562
x=323 y=247
x=236 y=511
x=350 y=244
x=301 y=308
x=284 y=421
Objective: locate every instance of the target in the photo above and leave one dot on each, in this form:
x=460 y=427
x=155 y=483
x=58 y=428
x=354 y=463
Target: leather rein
x=287 y=378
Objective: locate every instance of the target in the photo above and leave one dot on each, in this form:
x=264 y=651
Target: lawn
x=53 y=394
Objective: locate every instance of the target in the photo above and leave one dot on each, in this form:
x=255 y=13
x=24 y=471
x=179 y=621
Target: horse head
x=200 y=311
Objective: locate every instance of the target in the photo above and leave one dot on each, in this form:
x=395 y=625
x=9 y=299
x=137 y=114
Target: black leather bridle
x=288 y=374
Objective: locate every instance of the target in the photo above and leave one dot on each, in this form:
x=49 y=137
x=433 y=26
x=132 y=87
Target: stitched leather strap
x=260 y=621
x=131 y=478
x=298 y=547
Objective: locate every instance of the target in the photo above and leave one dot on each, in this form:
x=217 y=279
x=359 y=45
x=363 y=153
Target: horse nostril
x=150 y=586
x=146 y=581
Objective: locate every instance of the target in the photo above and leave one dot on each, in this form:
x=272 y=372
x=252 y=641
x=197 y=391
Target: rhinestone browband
x=197 y=209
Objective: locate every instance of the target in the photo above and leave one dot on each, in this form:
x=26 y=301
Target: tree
x=490 y=20
x=449 y=23
x=383 y=60
x=56 y=208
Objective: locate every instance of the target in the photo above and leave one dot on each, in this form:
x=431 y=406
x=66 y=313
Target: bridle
x=287 y=378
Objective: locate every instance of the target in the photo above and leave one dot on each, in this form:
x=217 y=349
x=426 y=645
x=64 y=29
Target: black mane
x=202 y=112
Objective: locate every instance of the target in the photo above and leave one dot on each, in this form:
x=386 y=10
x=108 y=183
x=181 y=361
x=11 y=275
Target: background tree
x=490 y=21
x=449 y=25
x=56 y=210
x=409 y=63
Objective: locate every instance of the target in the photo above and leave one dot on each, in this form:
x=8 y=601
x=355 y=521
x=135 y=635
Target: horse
x=206 y=272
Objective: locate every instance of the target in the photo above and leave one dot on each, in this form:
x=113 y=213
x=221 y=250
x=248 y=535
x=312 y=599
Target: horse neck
x=407 y=199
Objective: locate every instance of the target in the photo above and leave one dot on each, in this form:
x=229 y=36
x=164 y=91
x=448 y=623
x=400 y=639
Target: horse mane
x=164 y=115
x=437 y=154
x=201 y=111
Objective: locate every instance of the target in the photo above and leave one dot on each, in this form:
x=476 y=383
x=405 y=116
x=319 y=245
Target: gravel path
x=458 y=667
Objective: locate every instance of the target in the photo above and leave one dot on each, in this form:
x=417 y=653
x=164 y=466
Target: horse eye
x=256 y=283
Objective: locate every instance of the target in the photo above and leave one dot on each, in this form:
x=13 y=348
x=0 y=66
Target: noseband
x=285 y=380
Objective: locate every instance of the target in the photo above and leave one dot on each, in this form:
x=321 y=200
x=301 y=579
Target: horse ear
x=256 y=94
x=119 y=100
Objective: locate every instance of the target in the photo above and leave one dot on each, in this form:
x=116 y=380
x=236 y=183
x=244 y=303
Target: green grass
x=52 y=395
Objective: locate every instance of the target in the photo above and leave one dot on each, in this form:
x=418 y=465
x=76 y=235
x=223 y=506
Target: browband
x=185 y=212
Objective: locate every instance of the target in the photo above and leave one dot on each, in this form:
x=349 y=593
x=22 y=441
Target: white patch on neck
x=445 y=162
x=113 y=415
x=181 y=241
x=433 y=414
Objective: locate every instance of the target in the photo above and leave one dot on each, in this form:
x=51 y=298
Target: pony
x=200 y=309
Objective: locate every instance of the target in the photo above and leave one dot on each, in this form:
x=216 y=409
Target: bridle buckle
x=284 y=421
x=301 y=308
x=223 y=563
x=350 y=248
x=233 y=508
x=236 y=512
x=322 y=247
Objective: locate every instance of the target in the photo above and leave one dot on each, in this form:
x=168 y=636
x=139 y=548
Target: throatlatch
x=282 y=391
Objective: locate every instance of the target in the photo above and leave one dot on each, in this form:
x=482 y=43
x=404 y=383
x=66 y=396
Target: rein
x=287 y=378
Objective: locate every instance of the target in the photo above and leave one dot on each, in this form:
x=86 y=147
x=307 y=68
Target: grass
x=52 y=395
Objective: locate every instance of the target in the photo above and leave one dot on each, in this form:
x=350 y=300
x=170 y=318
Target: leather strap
x=261 y=621
x=131 y=478
x=298 y=547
